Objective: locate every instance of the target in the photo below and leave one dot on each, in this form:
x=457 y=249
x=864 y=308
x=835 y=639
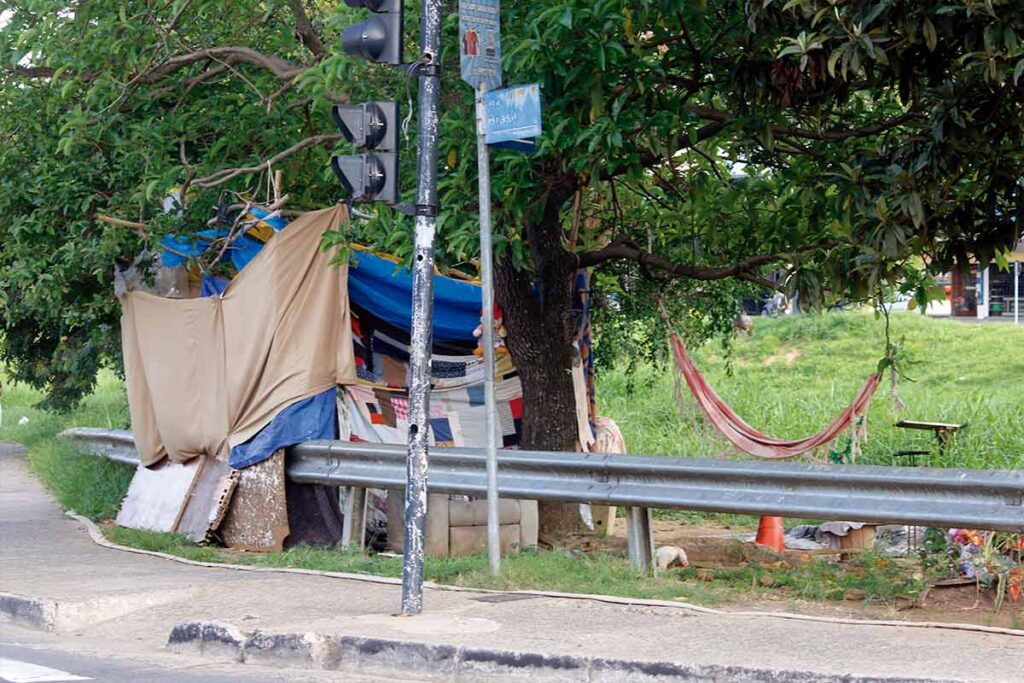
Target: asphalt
x=98 y=602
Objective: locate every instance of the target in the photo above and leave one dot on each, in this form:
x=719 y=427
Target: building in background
x=989 y=291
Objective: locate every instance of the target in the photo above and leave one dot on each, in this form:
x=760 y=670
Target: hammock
x=748 y=439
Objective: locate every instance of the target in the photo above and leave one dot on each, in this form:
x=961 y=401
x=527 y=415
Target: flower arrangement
x=992 y=559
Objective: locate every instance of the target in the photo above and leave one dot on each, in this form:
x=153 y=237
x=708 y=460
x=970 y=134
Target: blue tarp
x=385 y=290
x=241 y=251
x=311 y=418
x=211 y=285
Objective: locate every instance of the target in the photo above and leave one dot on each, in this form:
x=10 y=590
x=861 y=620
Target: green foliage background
x=691 y=149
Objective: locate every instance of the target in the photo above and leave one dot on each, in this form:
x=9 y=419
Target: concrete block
x=396 y=527
x=210 y=638
x=474 y=512
x=296 y=650
x=399 y=657
x=27 y=612
x=604 y=519
x=436 y=523
x=482 y=665
x=438 y=507
x=466 y=540
x=529 y=523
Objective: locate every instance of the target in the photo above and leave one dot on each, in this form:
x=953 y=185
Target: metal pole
x=640 y=539
x=422 y=309
x=487 y=285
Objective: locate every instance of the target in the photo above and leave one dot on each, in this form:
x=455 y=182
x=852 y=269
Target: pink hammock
x=748 y=439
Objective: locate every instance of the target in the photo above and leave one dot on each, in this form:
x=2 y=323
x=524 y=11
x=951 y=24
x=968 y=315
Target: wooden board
x=257 y=517
x=157 y=496
x=208 y=500
x=935 y=426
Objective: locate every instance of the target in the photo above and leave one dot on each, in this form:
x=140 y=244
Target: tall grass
x=797 y=373
x=89 y=485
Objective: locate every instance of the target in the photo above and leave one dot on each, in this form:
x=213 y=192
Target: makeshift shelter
x=293 y=348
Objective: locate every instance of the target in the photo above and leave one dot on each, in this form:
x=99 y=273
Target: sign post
x=480 y=67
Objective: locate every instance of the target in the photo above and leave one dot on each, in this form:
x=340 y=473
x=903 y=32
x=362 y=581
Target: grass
x=866 y=578
x=797 y=373
x=792 y=377
x=89 y=485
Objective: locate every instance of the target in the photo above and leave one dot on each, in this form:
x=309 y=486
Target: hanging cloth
x=205 y=375
x=748 y=439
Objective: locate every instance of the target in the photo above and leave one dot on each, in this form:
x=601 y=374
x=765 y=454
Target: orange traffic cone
x=770 y=533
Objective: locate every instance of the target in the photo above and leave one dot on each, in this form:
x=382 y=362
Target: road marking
x=13 y=671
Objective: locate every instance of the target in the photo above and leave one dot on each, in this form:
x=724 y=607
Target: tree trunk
x=537 y=310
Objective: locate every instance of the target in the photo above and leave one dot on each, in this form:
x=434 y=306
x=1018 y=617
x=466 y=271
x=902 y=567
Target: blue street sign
x=480 y=43
x=513 y=117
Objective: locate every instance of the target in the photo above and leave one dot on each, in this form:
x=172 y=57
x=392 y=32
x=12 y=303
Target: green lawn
x=797 y=373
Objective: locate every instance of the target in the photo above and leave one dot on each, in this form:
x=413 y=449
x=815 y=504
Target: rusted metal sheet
x=257 y=519
x=209 y=500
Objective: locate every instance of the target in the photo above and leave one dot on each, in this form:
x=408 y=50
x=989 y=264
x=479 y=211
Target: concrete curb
x=397 y=657
x=40 y=615
x=62 y=616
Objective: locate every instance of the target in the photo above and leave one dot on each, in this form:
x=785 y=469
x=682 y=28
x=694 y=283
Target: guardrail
x=978 y=499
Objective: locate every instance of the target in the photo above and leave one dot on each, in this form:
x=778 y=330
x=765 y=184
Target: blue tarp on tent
x=177 y=249
x=311 y=418
x=384 y=289
x=211 y=285
x=241 y=251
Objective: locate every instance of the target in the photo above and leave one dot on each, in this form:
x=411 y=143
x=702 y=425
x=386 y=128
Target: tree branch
x=832 y=135
x=305 y=30
x=226 y=174
x=232 y=55
x=627 y=251
x=33 y=71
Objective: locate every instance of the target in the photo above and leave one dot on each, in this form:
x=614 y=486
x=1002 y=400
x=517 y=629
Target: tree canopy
x=694 y=149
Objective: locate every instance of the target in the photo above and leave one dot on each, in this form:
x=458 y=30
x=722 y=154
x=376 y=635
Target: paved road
x=29 y=657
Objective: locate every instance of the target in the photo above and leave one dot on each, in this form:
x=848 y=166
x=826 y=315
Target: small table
x=943 y=432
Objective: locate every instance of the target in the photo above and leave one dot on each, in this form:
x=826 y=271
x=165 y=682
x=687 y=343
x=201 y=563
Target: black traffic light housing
x=369 y=177
x=379 y=38
x=373 y=125
x=370 y=125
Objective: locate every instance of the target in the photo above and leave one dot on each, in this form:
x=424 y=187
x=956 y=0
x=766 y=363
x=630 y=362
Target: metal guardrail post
x=640 y=539
x=353 y=531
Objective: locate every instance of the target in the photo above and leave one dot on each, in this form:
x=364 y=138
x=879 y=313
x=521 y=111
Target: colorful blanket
x=377 y=408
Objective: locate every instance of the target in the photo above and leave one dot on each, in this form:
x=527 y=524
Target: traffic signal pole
x=422 y=307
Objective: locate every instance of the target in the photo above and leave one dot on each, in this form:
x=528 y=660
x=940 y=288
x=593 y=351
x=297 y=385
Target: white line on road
x=13 y=671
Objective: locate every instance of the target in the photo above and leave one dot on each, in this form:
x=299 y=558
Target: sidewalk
x=57 y=579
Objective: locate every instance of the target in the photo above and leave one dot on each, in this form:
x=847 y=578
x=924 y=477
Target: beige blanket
x=207 y=374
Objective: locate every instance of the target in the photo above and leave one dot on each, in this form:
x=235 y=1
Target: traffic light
x=371 y=125
x=379 y=38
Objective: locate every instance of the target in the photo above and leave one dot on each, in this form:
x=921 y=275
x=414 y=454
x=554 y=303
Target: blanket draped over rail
x=748 y=439
x=205 y=375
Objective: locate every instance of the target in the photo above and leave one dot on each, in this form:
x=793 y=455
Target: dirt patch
x=711 y=547
x=788 y=357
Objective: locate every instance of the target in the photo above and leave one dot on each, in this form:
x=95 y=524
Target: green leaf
x=931 y=39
